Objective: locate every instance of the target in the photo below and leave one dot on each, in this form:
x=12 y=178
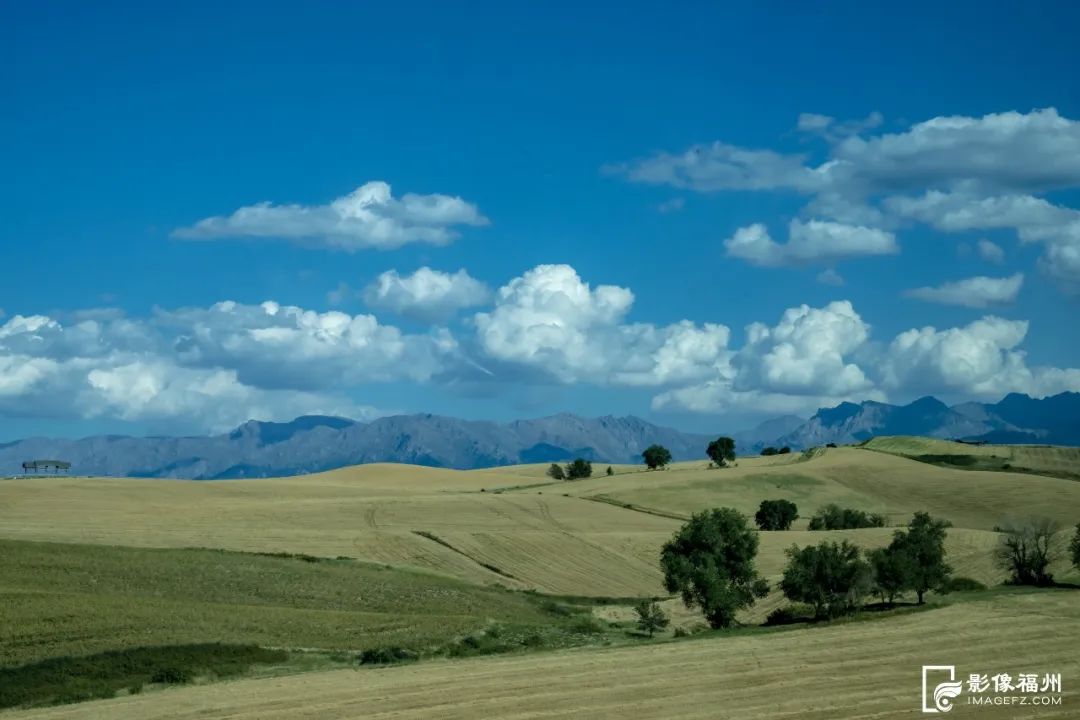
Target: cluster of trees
x=1027 y=549
x=770 y=450
x=710 y=563
x=721 y=451
x=776 y=515
x=575 y=470
x=834 y=517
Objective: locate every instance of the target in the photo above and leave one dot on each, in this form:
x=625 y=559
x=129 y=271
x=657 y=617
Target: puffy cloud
x=368 y=217
x=975 y=292
x=981 y=359
x=990 y=252
x=276 y=346
x=954 y=173
x=552 y=321
x=814 y=241
x=427 y=295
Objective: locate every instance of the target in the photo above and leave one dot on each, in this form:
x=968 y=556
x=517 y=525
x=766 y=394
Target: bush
x=610 y=472
x=651 y=617
x=680 y=633
x=1074 y=548
x=579 y=468
x=390 y=655
x=585 y=625
x=1026 y=551
x=962 y=584
x=776 y=514
x=834 y=517
x=172 y=676
x=555 y=472
x=710 y=563
x=831 y=577
x=721 y=451
x=656 y=456
x=782 y=616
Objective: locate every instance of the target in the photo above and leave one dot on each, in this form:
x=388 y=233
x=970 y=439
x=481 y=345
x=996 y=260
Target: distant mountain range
x=315 y=443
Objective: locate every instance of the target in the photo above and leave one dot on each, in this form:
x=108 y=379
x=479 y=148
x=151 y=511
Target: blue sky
x=679 y=162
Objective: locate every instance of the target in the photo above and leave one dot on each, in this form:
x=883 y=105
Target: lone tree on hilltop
x=776 y=514
x=1026 y=550
x=721 y=451
x=651 y=617
x=656 y=456
x=831 y=577
x=555 y=472
x=710 y=563
x=579 y=468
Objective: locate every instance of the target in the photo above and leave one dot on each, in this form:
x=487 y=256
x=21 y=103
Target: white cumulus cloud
x=974 y=292
x=813 y=241
x=368 y=217
x=427 y=295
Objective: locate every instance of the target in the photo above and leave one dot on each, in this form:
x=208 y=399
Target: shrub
x=610 y=472
x=171 y=676
x=721 y=451
x=1026 y=550
x=834 y=517
x=656 y=456
x=651 y=617
x=776 y=514
x=710 y=563
x=782 y=616
x=585 y=625
x=555 y=472
x=579 y=468
x=1074 y=548
x=389 y=655
x=830 y=577
x=962 y=584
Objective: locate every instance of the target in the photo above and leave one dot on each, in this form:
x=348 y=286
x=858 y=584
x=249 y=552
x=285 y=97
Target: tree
x=579 y=468
x=555 y=472
x=783 y=451
x=651 y=617
x=721 y=451
x=656 y=456
x=891 y=570
x=776 y=514
x=710 y=563
x=1074 y=548
x=770 y=450
x=1026 y=549
x=831 y=577
x=924 y=547
x=610 y=472
x=834 y=517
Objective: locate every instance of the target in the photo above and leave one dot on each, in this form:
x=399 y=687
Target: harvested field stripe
x=487 y=566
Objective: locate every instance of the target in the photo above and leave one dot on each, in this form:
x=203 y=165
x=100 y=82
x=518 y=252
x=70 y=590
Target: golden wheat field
x=867 y=669
x=508 y=526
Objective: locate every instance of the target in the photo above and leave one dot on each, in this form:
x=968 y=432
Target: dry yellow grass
x=865 y=670
x=554 y=537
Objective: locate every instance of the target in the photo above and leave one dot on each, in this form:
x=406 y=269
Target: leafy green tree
x=830 y=577
x=556 y=472
x=924 y=546
x=1026 y=550
x=710 y=563
x=834 y=517
x=770 y=450
x=721 y=451
x=1074 y=548
x=656 y=456
x=776 y=514
x=892 y=572
x=579 y=468
x=651 y=617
